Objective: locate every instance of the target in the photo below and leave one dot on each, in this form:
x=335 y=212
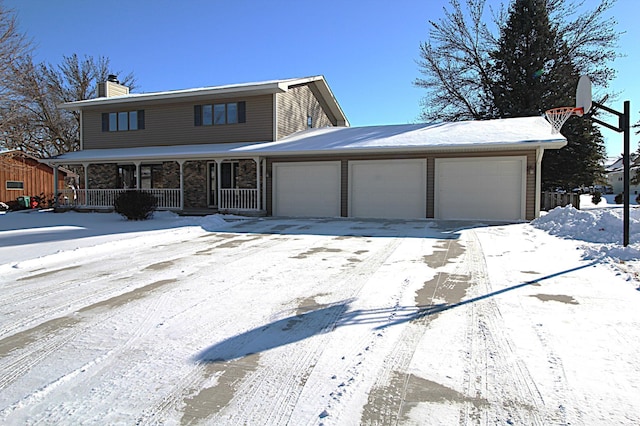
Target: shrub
x=618 y=199
x=135 y=205
x=596 y=197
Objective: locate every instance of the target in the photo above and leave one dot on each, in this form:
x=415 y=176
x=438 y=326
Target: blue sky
x=367 y=50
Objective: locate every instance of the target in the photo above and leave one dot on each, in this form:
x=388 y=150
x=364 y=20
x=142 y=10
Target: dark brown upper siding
x=173 y=124
x=294 y=106
x=430 y=157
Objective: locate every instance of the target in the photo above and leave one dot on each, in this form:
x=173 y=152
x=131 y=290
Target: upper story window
x=309 y=122
x=122 y=121
x=217 y=114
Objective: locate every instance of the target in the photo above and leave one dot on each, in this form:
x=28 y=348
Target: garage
x=480 y=188
x=306 y=189
x=388 y=188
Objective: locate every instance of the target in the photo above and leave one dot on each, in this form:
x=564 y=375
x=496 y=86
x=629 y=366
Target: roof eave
x=527 y=146
x=248 y=153
x=252 y=90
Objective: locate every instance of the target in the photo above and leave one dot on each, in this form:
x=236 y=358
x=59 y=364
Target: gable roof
x=490 y=135
x=246 y=89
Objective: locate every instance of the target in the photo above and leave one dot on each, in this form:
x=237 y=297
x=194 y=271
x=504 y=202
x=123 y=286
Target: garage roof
x=502 y=134
x=488 y=134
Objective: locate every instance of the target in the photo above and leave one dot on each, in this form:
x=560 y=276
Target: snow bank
x=602 y=228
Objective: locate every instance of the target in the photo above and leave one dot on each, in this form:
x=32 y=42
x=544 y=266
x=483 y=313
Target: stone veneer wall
x=102 y=176
x=195 y=184
x=170 y=175
x=247 y=178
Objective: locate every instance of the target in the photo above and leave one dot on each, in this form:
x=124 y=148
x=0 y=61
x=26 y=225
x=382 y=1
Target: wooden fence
x=551 y=200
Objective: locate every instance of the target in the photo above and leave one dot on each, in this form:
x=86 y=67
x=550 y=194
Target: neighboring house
x=285 y=148
x=615 y=175
x=23 y=175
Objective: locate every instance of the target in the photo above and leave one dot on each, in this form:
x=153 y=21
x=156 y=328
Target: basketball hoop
x=557 y=116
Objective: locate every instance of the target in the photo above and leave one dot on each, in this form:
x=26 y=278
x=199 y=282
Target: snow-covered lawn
x=224 y=320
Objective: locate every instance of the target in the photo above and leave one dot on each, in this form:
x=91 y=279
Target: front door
x=213 y=185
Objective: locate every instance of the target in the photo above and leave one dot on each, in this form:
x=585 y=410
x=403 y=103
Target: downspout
x=539 y=153
x=275 y=118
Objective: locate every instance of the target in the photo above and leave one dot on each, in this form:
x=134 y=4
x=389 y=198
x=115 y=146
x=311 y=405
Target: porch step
x=207 y=212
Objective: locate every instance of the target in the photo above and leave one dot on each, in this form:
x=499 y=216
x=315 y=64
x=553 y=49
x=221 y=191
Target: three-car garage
x=476 y=170
x=486 y=188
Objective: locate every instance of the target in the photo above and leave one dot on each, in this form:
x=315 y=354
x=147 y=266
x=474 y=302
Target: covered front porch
x=201 y=183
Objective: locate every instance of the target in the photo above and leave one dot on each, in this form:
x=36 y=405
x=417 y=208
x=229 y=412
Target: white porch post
x=218 y=187
x=259 y=186
x=264 y=187
x=181 y=163
x=85 y=166
x=138 y=177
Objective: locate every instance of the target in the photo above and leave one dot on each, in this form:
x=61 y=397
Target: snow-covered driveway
x=327 y=321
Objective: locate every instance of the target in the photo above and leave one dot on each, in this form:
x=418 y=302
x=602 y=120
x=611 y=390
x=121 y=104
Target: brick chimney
x=111 y=87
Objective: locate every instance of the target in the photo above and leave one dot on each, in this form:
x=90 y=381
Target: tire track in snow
x=264 y=392
x=99 y=283
x=493 y=369
x=490 y=359
x=272 y=399
x=384 y=405
x=38 y=348
x=58 y=332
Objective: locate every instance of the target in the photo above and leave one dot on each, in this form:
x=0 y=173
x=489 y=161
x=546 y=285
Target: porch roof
x=489 y=135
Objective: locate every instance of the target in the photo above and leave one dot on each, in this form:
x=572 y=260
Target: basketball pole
x=624 y=127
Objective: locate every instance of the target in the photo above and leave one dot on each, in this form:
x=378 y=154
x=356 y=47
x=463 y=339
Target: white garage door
x=480 y=188
x=309 y=189
x=388 y=188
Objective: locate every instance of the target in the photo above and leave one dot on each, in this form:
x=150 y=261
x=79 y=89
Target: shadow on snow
x=327 y=318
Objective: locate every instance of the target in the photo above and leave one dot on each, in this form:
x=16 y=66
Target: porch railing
x=168 y=199
x=238 y=199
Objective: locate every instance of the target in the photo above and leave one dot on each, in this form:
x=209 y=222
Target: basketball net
x=557 y=116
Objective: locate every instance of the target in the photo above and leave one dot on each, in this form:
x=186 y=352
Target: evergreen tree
x=533 y=72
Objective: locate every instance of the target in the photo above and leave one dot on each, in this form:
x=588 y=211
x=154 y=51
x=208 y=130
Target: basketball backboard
x=583 y=95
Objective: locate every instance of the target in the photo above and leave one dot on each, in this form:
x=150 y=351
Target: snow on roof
x=464 y=134
x=490 y=134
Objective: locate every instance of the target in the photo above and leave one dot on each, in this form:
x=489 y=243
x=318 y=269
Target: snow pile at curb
x=601 y=227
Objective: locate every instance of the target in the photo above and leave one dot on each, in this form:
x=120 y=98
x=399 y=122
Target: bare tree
x=456 y=63
x=34 y=123
x=13 y=48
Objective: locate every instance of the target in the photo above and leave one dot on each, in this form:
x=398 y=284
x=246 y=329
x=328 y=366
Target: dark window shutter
x=197 y=115
x=105 y=121
x=242 y=112
x=140 y=119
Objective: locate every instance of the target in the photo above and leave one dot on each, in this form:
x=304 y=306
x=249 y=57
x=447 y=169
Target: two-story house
x=285 y=148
